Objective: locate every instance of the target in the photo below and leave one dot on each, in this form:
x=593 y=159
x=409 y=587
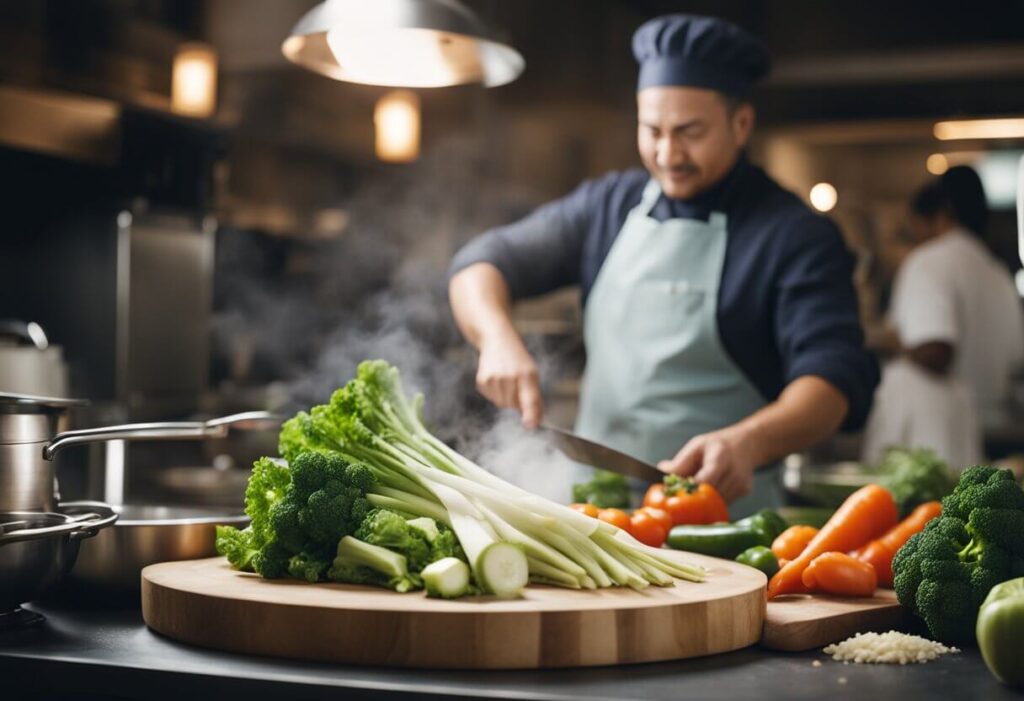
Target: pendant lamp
x=401 y=43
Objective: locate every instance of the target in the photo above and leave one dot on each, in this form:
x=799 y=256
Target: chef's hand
x=507 y=375
x=725 y=459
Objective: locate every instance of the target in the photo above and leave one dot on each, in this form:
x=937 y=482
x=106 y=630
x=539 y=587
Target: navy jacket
x=786 y=305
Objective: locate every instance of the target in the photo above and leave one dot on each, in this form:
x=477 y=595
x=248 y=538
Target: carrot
x=840 y=574
x=792 y=541
x=866 y=514
x=879 y=553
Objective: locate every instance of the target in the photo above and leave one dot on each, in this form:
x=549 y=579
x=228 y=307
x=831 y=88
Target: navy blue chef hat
x=703 y=52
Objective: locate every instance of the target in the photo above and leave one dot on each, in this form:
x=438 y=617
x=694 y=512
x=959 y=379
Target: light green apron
x=657 y=374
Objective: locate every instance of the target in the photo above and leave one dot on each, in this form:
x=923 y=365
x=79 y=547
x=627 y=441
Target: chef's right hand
x=507 y=375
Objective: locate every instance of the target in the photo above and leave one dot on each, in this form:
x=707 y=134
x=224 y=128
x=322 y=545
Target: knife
x=600 y=456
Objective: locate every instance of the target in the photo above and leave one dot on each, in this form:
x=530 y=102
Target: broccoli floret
x=389 y=530
x=1004 y=527
x=308 y=567
x=271 y=561
x=948 y=609
x=606 y=490
x=358 y=562
x=299 y=511
x=285 y=527
x=446 y=545
x=267 y=486
x=944 y=573
x=238 y=546
x=983 y=486
x=330 y=498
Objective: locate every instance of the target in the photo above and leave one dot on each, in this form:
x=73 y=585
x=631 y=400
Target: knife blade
x=600 y=456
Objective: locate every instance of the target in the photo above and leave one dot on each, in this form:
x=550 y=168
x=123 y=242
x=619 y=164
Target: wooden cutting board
x=206 y=603
x=803 y=622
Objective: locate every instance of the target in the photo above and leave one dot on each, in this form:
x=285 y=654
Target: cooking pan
x=141 y=536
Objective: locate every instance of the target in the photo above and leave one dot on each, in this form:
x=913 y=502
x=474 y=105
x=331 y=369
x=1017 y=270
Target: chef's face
x=689 y=138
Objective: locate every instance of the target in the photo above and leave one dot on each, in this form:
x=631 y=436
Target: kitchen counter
x=100 y=654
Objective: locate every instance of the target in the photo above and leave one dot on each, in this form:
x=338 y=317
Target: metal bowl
x=37 y=550
x=144 y=535
x=822 y=484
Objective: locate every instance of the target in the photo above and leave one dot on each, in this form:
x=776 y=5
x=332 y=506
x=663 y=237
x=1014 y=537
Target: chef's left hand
x=725 y=459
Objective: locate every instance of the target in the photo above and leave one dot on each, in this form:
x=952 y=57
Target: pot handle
x=78 y=527
x=167 y=430
x=89 y=528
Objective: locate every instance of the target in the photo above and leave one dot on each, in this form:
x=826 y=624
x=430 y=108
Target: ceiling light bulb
x=937 y=164
x=824 y=197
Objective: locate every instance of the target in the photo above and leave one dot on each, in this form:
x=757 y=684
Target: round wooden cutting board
x=205 y=602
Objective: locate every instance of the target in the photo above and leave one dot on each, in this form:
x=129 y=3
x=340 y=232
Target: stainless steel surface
x=25 y=402
x=202 y=485
x=163 y=340
x=451 y=35
x=83 y=524
x=41 y=549
x=27 y=424
x=167 y=430
x=824 y=484
x=27 y=481
x=144 y=535
x=601 y=456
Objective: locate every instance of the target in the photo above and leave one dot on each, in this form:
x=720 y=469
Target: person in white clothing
x=958 y=329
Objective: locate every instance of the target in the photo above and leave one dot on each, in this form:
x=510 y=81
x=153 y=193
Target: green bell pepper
x=1000 y=630
x=760 y=557
x=727 y=540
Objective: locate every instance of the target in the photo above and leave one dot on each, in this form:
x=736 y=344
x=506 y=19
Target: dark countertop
x=101 y=654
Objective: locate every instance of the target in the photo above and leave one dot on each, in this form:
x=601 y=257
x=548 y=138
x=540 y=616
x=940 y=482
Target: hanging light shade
x=401 y=43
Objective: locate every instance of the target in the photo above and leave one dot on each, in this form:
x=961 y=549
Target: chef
x=719 y=317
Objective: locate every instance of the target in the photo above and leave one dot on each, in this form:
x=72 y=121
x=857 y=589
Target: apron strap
x=652 y=191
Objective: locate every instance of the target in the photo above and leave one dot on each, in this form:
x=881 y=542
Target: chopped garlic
x=887 y=648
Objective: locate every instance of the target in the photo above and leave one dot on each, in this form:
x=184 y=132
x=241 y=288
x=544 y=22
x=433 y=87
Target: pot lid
x=10 y=402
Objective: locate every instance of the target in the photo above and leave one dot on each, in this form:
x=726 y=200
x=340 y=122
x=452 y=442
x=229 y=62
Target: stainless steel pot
x=144 y=535
x=27 y=424
x=29 y=440
x=38 y=549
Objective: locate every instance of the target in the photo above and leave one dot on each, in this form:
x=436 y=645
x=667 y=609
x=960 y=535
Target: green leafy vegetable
x=607 y=490
x=913 y=477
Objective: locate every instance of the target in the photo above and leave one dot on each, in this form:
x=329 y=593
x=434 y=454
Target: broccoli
x=944 y=573
x=606 y=490
x=389 y=530
x=358 y=562
x=250 y=549
x=913 y=477
x=267 y=486
x=446 y=545
x=238 y=546
x=301 y=510
x=305 y=566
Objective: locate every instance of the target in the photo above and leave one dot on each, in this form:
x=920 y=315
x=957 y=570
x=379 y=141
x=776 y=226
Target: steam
x=525 y=459
x=381 y=292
